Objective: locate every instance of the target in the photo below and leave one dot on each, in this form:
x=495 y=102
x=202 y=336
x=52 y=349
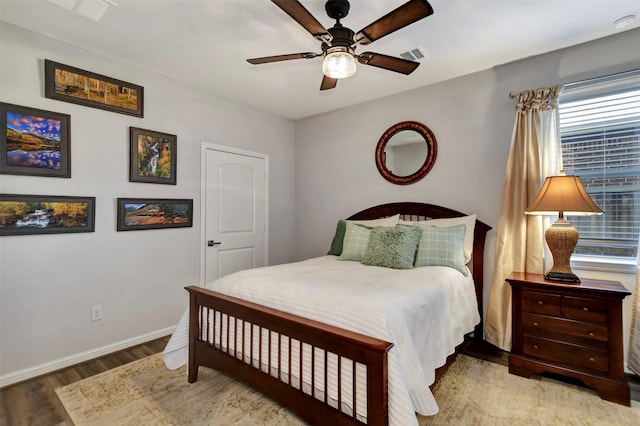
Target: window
x=600 y=137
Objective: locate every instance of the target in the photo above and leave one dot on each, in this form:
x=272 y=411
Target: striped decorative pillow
x=356 y=239
x=442 y=247
x=469 y=221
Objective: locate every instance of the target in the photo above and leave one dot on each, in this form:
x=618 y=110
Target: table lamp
x=562 y=195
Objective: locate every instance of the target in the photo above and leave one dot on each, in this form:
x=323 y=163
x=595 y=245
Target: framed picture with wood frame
x=46 y=214
x=71 y=84
x=34 y=142
x=152 y=156
x=154 y=213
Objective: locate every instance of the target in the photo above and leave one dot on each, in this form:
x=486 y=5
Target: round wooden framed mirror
x=406 y=152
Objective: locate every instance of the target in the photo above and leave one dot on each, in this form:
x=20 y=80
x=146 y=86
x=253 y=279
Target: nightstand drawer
x=571 y=331
x=541 y=303
x=576 y=356
x=586 y=309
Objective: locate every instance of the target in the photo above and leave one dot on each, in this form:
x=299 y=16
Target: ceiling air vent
x=91 y=9
x=414 y=54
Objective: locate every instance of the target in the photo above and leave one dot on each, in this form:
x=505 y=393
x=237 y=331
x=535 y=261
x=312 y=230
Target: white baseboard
x=48 y=367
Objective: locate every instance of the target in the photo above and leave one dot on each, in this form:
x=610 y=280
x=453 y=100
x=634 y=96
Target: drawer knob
x=535 y=346
x=585 y=309
x=591 y=334
x=592 y=359
x=540 y=302
x=535 y=324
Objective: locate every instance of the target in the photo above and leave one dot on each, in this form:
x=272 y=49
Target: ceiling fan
x=338 y=43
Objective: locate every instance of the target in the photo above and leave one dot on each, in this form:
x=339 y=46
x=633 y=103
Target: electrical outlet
x=96 y=312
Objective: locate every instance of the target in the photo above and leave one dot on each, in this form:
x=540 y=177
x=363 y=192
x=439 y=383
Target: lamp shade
x=564 y=195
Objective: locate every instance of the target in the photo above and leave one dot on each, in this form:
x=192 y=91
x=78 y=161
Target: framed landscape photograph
x=34 y=142
x=46 y=214
x=71 y=84
x=154 y=213
x=152 y=157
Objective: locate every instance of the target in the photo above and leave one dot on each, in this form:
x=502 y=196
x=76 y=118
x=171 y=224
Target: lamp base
x=561 y=238
x=562 y=276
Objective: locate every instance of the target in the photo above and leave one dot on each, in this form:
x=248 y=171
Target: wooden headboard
x=422 y=211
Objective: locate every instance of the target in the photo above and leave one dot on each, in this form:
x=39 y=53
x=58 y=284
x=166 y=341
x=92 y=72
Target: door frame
x=204 y=147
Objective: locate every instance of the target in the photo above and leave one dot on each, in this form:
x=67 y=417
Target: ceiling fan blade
x=302 y=16
x=278 y=58
x=390 y=63
x=328 y=83
x=408 y=13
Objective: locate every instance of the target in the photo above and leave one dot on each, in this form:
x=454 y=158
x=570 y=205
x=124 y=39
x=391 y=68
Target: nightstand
x=570 y=329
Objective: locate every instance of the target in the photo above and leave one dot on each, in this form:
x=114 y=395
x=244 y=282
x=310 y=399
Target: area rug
x=472 y=392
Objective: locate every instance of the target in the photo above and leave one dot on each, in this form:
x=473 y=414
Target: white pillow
x=469 y=221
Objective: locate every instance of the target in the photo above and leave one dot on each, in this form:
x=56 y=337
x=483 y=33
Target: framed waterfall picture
x=152 y=157
x=71 y=84
x=34 y=142
x=46 y=214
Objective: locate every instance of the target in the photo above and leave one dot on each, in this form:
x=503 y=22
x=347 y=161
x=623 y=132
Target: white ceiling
x=205 y=43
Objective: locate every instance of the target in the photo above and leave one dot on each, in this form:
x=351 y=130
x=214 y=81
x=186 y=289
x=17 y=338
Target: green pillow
x=356 y=239
x=336 y=244
x=392 y=247
x=442 y=247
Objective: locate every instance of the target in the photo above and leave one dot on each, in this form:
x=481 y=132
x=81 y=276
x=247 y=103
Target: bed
x=355 y=360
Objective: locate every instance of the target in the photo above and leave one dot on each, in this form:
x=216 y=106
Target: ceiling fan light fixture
x=339 y=62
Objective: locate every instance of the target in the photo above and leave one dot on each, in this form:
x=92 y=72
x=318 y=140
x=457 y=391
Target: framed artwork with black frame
x=46 y=214
x=154 y=213
x=152 y=157
x=34 y=142
x=75 y=85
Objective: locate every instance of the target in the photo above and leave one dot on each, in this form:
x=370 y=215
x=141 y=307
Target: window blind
x=600 y=133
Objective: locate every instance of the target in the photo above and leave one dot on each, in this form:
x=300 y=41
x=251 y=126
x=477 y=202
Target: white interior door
x=234 y=211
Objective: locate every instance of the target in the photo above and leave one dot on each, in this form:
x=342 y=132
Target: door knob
x=212 y=243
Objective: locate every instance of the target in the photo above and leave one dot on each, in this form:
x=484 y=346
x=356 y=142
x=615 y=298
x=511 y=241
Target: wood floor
x=34 y=402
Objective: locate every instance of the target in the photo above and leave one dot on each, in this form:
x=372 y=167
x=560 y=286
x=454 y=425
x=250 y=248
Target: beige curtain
x=634 y=342
x=535 y=154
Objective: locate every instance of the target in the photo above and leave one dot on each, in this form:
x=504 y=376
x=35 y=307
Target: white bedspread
x=424 y=311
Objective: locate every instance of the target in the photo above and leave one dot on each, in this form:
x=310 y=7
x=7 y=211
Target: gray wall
x=49 y=283
x=472 y=118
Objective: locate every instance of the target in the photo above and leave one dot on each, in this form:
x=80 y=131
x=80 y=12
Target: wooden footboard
x=223 y=336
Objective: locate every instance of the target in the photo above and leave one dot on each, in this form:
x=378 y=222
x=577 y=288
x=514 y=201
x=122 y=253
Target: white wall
x=49 y=282
x=472 y=118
